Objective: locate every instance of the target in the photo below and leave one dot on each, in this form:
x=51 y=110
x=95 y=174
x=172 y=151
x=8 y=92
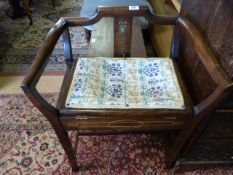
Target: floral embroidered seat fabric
x=120 y=83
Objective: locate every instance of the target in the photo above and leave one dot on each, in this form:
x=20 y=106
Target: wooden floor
x=11 y=84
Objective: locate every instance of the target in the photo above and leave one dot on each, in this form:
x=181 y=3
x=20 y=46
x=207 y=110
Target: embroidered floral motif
x=153 y=82
x=151 y=69
x=78 y=84
x=155 y=91
x=115 y=69
x=82 y=64
x=115 y=90
x=125 y=83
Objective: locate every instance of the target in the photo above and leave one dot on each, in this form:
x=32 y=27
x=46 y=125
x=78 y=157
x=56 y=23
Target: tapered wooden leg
x=66 y=144
x=28 y=12
x=65 y=141
x=52 y=114
x=185 y=136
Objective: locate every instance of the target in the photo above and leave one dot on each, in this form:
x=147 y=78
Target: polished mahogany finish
x=198 y=104
x=122 y=36
x=212 y=143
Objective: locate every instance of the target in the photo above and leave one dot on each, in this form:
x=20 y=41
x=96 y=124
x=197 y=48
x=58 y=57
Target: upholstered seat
x=120 y=83
x=118 y=95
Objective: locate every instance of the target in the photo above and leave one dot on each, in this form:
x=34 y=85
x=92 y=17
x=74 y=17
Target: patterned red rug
x=28 y=145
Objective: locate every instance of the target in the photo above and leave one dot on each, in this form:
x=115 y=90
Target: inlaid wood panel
x=102 y=40
x=214 y=19
x=197 y=79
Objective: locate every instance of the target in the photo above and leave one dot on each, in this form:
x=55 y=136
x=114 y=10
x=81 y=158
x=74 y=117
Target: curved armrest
x=54 y=34
x=205 y=53
x=30 y=81
x=210 y=61
x=143 y=11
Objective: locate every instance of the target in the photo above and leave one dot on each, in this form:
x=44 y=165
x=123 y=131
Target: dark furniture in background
x=212 y=144
x=204 y=84
x=17 y=11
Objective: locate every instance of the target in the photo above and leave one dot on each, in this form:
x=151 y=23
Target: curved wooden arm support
x=39 y=101
x=210 y=61
x=213 y=99
x=202 y=48
x=224 y=87
x=54 y=34
x=123 y=12
x=30 y=81
x=32 y=78
x=205 y=53
x=44 y=53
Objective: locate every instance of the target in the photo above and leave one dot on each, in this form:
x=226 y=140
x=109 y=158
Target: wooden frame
x=63 y=119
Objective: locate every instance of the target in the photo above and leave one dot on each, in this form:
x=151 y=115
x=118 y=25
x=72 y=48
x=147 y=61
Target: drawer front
x=120 y=124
